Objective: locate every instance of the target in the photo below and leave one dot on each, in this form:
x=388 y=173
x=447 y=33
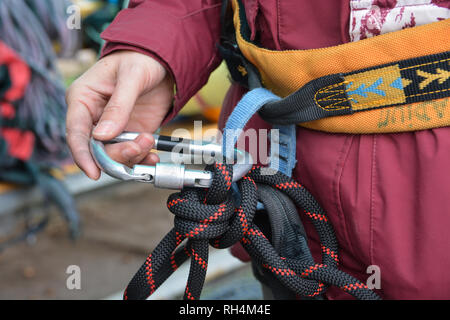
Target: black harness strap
x=241 y=70
x=281 y=224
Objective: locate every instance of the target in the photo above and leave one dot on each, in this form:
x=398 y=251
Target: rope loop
x=211 y=217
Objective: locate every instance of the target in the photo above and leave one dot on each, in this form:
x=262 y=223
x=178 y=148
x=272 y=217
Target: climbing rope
x=32 y=127
x=31 y=28
x=204 y=217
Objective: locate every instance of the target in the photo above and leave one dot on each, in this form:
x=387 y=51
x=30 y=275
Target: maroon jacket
x=386 y=195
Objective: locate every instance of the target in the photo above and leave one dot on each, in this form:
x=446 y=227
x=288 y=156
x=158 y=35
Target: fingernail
x=104 y=128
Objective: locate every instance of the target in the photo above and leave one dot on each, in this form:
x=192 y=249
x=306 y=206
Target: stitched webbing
x=282 y=156
x=404 y=82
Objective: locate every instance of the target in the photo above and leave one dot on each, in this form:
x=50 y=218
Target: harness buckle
x=170 y=175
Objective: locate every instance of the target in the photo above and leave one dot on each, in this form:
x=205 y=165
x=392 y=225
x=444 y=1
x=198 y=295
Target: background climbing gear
x=32 y=137
x=96 y=16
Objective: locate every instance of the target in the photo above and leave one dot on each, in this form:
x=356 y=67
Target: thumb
x=118 y=110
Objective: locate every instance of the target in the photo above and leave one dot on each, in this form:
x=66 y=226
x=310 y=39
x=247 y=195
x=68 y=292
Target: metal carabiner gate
x=170 y=175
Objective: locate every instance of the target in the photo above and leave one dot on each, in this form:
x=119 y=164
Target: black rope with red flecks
x=210 y=217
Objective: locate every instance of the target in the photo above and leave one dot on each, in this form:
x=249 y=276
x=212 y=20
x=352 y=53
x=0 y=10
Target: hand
x=124 y=91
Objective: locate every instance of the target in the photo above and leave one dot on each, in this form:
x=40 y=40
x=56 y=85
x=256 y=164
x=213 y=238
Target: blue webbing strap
x=283 y=138
x=283 y=159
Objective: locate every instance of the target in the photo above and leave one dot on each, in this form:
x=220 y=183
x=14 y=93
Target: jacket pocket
x=354 y=196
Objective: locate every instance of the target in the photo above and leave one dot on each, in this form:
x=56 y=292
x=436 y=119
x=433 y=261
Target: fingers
x=78 y=130
x=151 y=159
x=107 y=95
x=120 y=106
x=134 y=152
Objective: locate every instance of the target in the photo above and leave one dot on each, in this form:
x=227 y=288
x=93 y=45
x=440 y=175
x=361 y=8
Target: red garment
x=386 y=194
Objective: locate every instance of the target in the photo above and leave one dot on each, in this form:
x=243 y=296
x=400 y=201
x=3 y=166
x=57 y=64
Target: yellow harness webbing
x=394 y=82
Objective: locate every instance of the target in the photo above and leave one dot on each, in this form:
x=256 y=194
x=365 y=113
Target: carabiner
x=170 y=175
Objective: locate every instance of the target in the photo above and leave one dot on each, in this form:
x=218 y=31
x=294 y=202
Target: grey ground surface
x=121 y=225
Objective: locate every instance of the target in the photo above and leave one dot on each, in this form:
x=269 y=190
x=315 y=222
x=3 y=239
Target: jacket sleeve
x=182 y=35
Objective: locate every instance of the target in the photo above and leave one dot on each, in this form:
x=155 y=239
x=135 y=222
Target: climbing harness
x=395 y=82
x=212 y=216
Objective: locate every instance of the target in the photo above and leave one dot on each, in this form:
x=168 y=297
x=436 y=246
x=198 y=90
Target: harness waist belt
x=423 y=79
x=396 y=82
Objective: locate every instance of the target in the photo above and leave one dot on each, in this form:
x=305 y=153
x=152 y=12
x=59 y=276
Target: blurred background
x=53 y=217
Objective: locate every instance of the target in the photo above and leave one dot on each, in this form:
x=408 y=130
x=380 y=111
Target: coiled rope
x=210 y=216
x=30 y=28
